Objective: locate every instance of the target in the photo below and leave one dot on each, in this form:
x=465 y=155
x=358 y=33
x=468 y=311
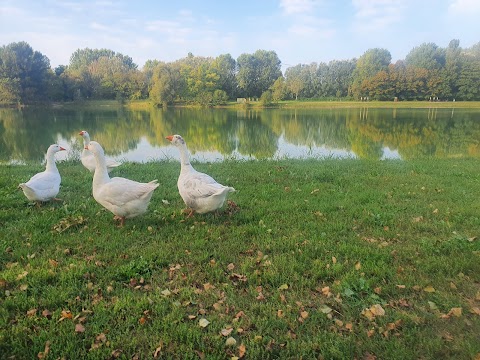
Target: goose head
x=85 y=135
x=95 y=148
x=176 y=140
x=54 y=148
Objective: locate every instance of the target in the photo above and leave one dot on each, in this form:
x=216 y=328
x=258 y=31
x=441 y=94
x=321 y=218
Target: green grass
x=312 y=244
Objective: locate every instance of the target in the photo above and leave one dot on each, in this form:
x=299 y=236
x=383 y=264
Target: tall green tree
x=426 y=56
x=23 y=73
x=226 y=68
x=257 y=72
x=368 y=65
x=167 y=84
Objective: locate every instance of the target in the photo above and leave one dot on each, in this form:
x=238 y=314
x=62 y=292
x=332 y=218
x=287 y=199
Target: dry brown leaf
x=280 y=313
x=43 y=354
x=334 y=259
x=226 y=332
x=52 y=262
x=32 y=312
x=377 y=310
x=358 y=266
x=142 y=320
x=457 y=311
x=46 y=313
x=429 y=289
x=116 y=353
x=326 y=291
x=475 y=310
x=157 y=351
x=208 y=286
x=304 y=314
x=79 y=328
x=241 y=351
x=22 y=275
x=66 y=314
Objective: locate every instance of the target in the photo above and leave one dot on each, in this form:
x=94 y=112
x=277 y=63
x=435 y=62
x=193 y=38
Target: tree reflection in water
x=215 y=134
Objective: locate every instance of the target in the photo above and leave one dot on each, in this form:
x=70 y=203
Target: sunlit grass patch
x=319 y=258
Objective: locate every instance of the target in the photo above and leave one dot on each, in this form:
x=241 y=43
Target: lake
x=217 y=134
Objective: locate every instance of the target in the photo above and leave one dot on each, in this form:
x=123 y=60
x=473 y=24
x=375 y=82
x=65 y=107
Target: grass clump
x=325 y=259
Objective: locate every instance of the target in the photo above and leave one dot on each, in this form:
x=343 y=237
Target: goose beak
x=81 y=133
x=169 y=137
x=62 y=148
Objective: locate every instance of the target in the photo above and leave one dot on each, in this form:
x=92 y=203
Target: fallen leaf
x=358 y=266
x=142 y=320
x=43 y=354
x=283 y=287
x=304 y=314
x=116 y=353
x=325 y=309
x=475 y=310
x=334 y=259
x=429 y=289
x=52 y=262
x=208 y=286
x=368 y=314
x=22 y=275
x=241 y=351
x=157 y=351
x=326 y=291
x=32 y=312
x=230 y=341
x=166 y=292
x=457 y=311
x=377 y=310
x=66 y=314
x=203 y=322
x=401 y=286
x=79 y=328
x=226 y=332
x=46 y=313
x=432 y=305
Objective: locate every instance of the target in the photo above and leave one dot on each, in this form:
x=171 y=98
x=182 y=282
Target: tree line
x=428 y=72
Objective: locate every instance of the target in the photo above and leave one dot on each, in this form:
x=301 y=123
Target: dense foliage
x=428 y=72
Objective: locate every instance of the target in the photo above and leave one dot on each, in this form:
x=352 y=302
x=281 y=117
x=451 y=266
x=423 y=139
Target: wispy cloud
x=298 y=6
x=377 y=14
x=464 y=7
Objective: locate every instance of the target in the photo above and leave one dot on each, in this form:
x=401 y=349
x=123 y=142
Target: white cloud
x=377 y=14
x=464 y=7
x=298 y=6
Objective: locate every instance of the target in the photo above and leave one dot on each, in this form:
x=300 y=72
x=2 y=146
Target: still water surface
x=216 y=134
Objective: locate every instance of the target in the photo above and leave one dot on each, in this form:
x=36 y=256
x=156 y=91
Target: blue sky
x=299 y=31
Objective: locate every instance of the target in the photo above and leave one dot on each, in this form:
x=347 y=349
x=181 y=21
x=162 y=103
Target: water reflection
x=214 y=134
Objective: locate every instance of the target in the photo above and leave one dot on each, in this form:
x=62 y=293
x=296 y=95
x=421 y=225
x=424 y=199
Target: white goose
x=44 y=186
x=200 y=192
x=87 y=157
x=123 y=197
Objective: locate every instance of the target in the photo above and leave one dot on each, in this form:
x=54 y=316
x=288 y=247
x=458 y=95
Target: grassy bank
x=290 y=104
x=334 y=259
